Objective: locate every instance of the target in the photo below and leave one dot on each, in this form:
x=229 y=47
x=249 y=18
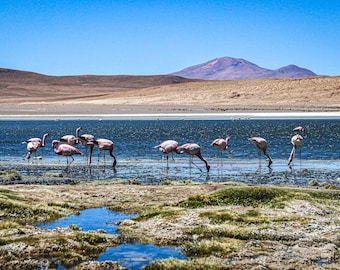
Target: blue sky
x=64 y=37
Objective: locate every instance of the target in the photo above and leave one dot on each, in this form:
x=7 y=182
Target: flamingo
x=70 y=139
x=65 y=150
x=167 y=147
x=33 y=144
x=87 y=140
x=296 y=140
x=105 y=145
x=221 y=144
x=299 y=129
x=192 y=149
x=261 y=144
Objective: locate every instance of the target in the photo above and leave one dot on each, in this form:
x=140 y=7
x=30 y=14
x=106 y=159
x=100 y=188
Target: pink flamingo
x=33 y=144
x=297 y=142
x=87 y=140
x=192 y=149
x=261 y=144
x=70 y=139
x=105 y=145
x=299 y=129
x=65 y=150
x=221 y=144
x=167 y=147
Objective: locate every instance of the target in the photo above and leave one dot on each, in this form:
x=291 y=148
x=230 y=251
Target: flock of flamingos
x=65 y=146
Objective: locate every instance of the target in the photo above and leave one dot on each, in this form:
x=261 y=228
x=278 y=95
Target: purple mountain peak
x=229 y=68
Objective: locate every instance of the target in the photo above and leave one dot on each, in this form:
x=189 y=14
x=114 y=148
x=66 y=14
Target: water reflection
x=131 y=256
x=135 y=256
x=90 y=220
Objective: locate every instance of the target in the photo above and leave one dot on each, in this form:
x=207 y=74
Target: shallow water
x=137 y=159
x=90 y=220
x=131 y=256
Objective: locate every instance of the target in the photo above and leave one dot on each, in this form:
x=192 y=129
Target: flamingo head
x=55 y=143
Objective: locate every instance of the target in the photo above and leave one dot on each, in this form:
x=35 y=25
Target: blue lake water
x=131 y=256
x=137 y=159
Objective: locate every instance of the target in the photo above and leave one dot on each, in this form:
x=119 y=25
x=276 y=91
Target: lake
x=134 y=140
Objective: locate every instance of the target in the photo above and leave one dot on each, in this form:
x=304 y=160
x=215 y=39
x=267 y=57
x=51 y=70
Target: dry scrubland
x=165 y=94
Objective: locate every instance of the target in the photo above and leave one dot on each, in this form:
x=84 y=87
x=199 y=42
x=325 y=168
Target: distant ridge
x=228 y=68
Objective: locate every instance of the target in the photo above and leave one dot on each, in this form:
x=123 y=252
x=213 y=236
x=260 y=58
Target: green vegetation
x=17 y=210
x=260 y=196
x=10 y=175
x=217 y=247
x=197 y=264
x=251 y=216
x=159 y=212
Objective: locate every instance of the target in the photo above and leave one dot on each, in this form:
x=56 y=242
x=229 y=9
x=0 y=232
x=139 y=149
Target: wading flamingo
x=65 y=150
x=261 y=144
x=299 y=129
x=296 y=140
x=192 y=149
x=33 y=144
x=70 y=139
x=221 y=144
x=167 y=147
x=87 y=140
x=106 y=145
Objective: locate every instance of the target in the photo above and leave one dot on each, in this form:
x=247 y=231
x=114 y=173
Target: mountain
x=228 y=68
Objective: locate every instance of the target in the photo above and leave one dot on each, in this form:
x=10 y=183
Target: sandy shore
x=80 y=111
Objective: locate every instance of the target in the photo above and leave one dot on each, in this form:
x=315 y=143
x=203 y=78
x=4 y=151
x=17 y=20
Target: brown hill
x=305 y=94
x=16 y=85
x=36 y=94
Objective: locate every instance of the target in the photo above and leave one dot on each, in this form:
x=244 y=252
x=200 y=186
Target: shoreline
x=177 y=116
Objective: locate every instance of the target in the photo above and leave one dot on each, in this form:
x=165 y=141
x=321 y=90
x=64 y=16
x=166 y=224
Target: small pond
x=131 y=256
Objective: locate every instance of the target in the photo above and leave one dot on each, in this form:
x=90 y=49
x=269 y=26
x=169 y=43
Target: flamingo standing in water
x=220 y=144
x=33 y=144
x=296 y=140
x=87 y=140
x=192 y=149
x=167 y=147
x=299 y=129
x=261 y=144
x=71 y=139
x=65 y=150
x=105 y=145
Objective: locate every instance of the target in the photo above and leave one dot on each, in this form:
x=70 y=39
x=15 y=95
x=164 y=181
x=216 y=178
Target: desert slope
x=314 y=93
x=93 y=95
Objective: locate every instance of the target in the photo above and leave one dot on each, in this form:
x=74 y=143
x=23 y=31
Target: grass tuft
x=10 y=175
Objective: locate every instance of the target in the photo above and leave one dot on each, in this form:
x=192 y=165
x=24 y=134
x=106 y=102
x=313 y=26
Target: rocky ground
x=218 y=225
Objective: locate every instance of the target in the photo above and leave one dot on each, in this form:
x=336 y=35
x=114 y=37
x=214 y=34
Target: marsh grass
x=219 y=248
x=260 y=196
x=10 y=175
x=251 y=216
x=16 y=209
x=240 y=233
x=197 y=264
x=166 y=213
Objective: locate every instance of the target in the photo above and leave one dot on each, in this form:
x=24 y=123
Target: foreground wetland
x=217 y=225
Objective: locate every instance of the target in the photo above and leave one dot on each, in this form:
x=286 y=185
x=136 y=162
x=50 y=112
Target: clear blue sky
x=65 y=37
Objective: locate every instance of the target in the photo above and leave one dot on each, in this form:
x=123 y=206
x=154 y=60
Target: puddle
x=130 y=256
x=135 y=256
x=90 y=220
